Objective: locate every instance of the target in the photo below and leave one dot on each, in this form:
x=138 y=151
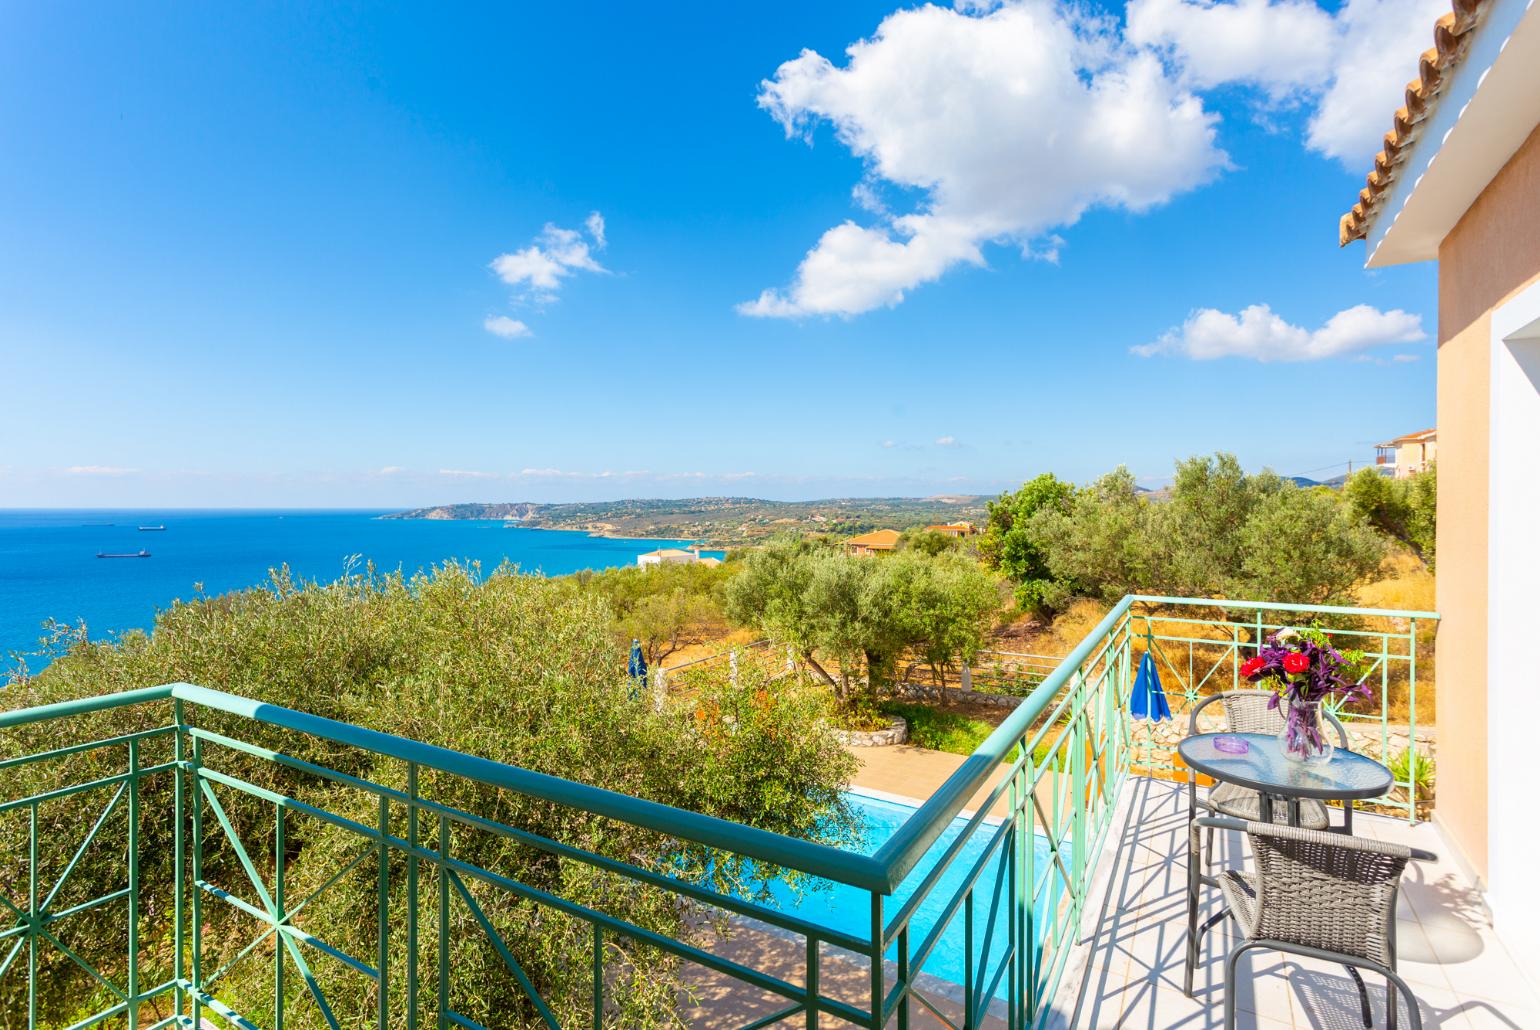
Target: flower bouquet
x=1303 y=669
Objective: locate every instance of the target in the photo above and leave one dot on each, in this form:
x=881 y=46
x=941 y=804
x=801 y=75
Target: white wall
x=1513 y=671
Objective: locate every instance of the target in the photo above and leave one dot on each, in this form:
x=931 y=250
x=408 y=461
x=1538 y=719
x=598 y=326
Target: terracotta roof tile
x=1450 y=41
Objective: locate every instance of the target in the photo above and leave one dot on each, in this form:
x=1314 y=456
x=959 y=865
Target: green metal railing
x=1030 y=810
x=1200 y=645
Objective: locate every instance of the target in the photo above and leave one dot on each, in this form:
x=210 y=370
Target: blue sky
x=251 y=257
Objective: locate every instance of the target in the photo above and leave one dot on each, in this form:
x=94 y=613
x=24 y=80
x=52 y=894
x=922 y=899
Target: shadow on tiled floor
x=1134 y=940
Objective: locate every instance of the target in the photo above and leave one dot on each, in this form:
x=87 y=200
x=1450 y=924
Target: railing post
x=443 y=922
x=411 y=896
x=1023 y=792
x=812 y=979
x=1411 y=723
x=278 y=915
x=133 y=884
x=383 y=998
x=878 y=974
x=32 y=916
x=1078 y=785
x=968 y=972
x=197 y=877
x=179 y=890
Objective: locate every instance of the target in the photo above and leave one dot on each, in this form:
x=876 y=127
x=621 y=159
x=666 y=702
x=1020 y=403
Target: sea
x=49 y=567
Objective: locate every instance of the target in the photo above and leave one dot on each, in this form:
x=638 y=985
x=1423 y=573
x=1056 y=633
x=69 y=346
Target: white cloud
x=595 y=225
x=507 y=328
x=467 y=474
x=662 y=477
x=1353 y=65
x=1260 y=334
x=1009 y=122
x=1278 y=46
x=390 y=470
x=555 y=254
x=946 y=441
x=100 y=470
x=1382 y=40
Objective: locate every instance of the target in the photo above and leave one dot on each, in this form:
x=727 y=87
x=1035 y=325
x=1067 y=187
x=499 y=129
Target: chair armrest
x=1192 y=717
x=1221 y=823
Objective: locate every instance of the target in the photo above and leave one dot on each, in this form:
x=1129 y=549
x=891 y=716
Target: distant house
x=953 y=529
x=1407 y=455
x=711 y=563
x=878 y=542
x=666 y=556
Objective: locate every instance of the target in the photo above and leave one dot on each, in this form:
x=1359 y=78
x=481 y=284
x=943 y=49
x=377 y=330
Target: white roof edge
x=1487 y=108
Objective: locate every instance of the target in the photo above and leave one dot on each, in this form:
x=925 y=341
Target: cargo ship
x=141 y=553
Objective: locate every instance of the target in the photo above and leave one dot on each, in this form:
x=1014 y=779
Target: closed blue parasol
x=1149 y=697
x=636 y=668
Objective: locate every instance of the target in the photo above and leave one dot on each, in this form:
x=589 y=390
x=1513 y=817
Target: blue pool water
x=49 y=568
x=849 y=910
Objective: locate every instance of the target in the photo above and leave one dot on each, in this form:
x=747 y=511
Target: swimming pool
x=848 y=909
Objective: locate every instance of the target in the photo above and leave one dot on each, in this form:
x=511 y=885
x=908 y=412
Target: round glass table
x=1260 y=766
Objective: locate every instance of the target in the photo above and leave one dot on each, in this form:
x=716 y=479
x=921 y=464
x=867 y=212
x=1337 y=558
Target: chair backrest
x=1252 y=711
x=1326 y=890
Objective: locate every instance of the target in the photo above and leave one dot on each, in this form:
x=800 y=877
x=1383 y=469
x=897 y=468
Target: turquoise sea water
x=49 y=568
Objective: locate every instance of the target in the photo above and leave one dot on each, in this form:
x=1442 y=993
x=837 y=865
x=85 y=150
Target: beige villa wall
x=1463 y=405
x=1492 y=253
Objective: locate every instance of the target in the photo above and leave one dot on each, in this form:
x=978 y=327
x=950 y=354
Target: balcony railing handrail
x=882 y=872
x=1279 y=606
x=818 y=859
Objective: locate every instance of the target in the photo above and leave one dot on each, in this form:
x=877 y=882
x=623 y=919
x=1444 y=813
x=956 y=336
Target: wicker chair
x=1248 y=711
x=1321 y=895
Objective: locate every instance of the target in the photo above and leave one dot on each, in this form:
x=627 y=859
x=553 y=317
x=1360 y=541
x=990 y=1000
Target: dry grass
x=1406 y=584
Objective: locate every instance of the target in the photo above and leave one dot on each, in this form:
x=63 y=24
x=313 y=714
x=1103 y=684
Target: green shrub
x=513 y=668
x=940 y=730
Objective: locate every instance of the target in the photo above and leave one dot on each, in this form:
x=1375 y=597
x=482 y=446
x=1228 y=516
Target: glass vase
x=1303 y=737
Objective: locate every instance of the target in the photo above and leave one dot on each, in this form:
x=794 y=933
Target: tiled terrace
x=1134 y=934
x=1134 y=931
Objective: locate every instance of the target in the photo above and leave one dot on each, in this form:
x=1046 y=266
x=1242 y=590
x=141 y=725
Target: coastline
x=49 y=569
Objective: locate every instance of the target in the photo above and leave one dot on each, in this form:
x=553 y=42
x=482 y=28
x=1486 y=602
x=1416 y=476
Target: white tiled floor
x=1134 y=936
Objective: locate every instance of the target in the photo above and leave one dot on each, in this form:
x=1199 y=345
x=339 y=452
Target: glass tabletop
x=1349 y=775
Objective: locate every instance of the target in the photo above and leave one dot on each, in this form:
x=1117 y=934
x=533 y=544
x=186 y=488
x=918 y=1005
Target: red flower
x=1252 y=666
x=1295 y=663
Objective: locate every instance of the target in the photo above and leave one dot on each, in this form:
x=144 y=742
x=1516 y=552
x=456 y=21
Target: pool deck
x=906 y=771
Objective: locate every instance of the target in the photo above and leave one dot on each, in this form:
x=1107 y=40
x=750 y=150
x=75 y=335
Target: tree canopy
x=862 y=613
x=1218 y=532
x=1404 y=509
x=513 y=668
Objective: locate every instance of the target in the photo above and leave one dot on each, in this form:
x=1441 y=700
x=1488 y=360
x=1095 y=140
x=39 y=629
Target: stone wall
x=896 y=732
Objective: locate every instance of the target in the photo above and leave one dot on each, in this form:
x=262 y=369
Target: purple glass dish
x=1231 y=745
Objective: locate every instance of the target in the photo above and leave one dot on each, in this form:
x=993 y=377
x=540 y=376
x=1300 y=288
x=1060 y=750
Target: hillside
x=720 y=520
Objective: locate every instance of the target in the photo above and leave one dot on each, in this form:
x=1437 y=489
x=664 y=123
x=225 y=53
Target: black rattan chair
x=1321 y=895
